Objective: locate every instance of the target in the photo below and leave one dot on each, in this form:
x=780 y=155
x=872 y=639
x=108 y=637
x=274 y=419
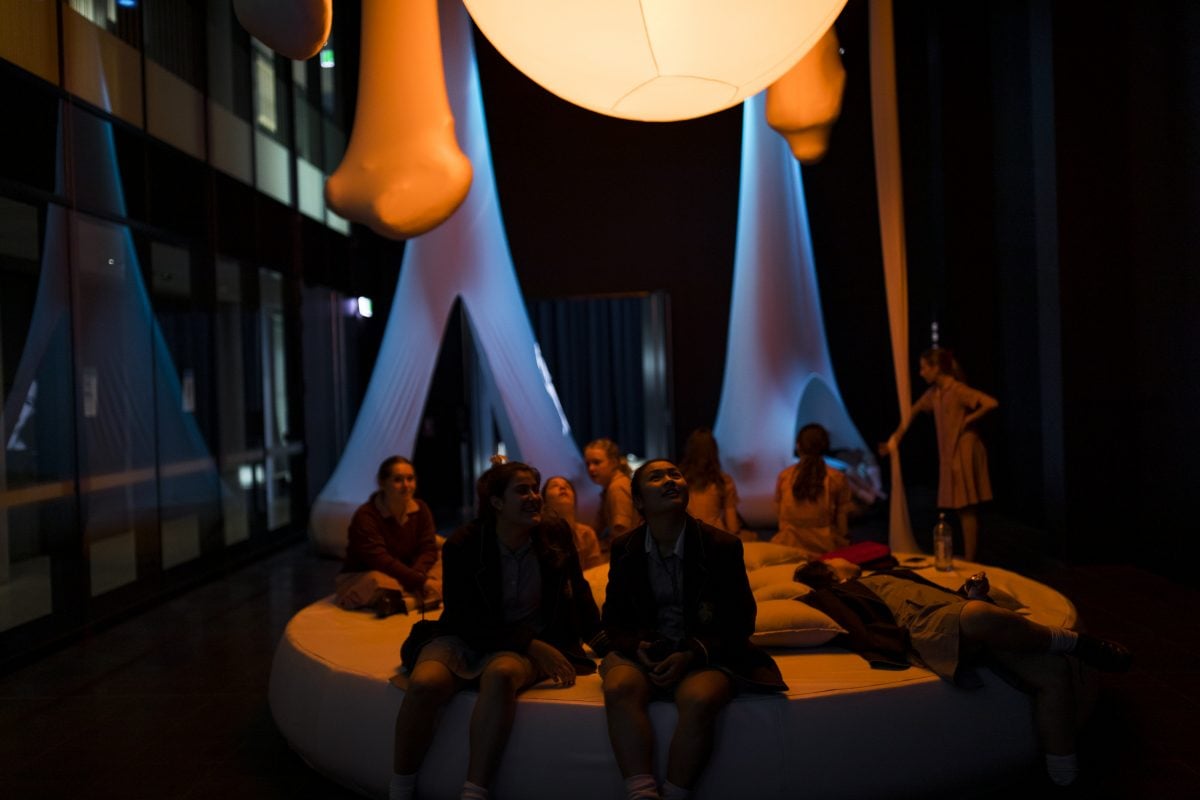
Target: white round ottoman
x=842 y=730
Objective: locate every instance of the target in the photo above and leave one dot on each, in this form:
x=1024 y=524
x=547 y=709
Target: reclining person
x=897 y=617
x=676 y=625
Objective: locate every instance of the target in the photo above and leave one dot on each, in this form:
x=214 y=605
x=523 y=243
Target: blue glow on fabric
x=778 y=374
x=116 y=348
x=467 y=256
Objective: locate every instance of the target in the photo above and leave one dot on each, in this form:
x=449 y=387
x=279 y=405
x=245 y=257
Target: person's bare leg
x=492 y=719
x=968 y=519
x=1001 y=629
x=626 y=698
x=1055 y=711
x=430 y=687
x=700 y=697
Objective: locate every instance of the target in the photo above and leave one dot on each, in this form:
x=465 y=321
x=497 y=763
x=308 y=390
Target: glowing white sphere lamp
x=654 y=60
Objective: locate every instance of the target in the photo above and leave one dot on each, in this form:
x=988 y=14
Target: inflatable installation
x=466 y=257
x=778 y=374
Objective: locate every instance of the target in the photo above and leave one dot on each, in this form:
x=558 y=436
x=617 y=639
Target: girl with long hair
x=714 y=497
x=811 y=498
x=558 y=494
x=516 y=605
x=963 y=481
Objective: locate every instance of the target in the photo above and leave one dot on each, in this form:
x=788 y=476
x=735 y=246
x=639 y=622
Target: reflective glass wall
x=161 y=222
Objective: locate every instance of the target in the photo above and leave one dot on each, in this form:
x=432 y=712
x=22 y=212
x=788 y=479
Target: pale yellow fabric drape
x=888 y=186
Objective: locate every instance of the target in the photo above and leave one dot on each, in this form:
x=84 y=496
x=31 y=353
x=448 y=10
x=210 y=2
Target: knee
x=502 y=677
x=976 y=619
x=426 y=690
x=624 y=687
x=700 y=705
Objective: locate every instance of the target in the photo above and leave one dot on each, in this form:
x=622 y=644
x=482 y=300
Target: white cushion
x=765 y=576
x=789 y=623
x=785 y=590
x=765 y=554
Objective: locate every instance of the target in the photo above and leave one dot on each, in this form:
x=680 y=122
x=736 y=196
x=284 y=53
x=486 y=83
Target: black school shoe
x=390 y=602
x=1103 y=654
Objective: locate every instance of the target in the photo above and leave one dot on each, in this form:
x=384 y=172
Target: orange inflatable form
x=805 y=102
x=293 y=28
x=403 y=172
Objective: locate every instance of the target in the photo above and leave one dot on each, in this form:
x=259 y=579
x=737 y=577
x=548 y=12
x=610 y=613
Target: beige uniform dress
x=962 y=460
x=616 y=508
x=811 y=524
x=709 y=504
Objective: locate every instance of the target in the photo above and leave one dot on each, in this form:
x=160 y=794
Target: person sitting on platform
x=559 y=496
x=676 y=625
x=713 y=494
x=896 y=617
x=392 y=546
x=811 y=498
x=609 y=470
x=516 y=605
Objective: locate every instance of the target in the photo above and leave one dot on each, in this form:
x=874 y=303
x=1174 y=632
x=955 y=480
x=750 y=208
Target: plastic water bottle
x=943 y=544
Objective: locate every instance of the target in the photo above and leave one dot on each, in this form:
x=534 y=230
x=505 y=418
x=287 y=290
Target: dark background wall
x=1050 y=156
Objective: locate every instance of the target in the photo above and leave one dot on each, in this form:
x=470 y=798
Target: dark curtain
x=593 y=349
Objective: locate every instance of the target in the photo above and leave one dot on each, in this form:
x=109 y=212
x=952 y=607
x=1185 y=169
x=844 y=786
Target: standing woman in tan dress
x=963 y=481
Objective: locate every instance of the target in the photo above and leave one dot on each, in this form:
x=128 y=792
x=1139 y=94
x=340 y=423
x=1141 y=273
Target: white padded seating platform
x=842 y=730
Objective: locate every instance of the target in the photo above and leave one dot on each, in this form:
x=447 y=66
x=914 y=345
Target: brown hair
x=385 y=469
x=701 y=462
x=493 y=483
x=613 y=451
x=547 y=511
x=945 y=361
x=811 y=443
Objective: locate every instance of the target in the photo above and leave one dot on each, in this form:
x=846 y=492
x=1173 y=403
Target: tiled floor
x=172 y=703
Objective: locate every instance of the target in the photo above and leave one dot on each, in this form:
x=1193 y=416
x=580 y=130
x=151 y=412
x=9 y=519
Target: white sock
x=1063 y=770
x=403 y=787
x=641 y=787
x=673 y=792
x=473 y=791
x=1062 y=640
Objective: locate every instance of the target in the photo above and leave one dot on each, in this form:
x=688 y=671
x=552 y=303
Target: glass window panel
x=102 y=57
x=120 y=19
x=333 y=144
x=271 y=173
x=32 y=152
x=174 y=110
x=311 y=184
x=113 y=334
x=37 y=465
x=239 y=399
x=278 y=474
x=96 y=173
x=175 y=38
x=189 y=483
x=267 y=99
x=29 y=37
x=228 y=60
